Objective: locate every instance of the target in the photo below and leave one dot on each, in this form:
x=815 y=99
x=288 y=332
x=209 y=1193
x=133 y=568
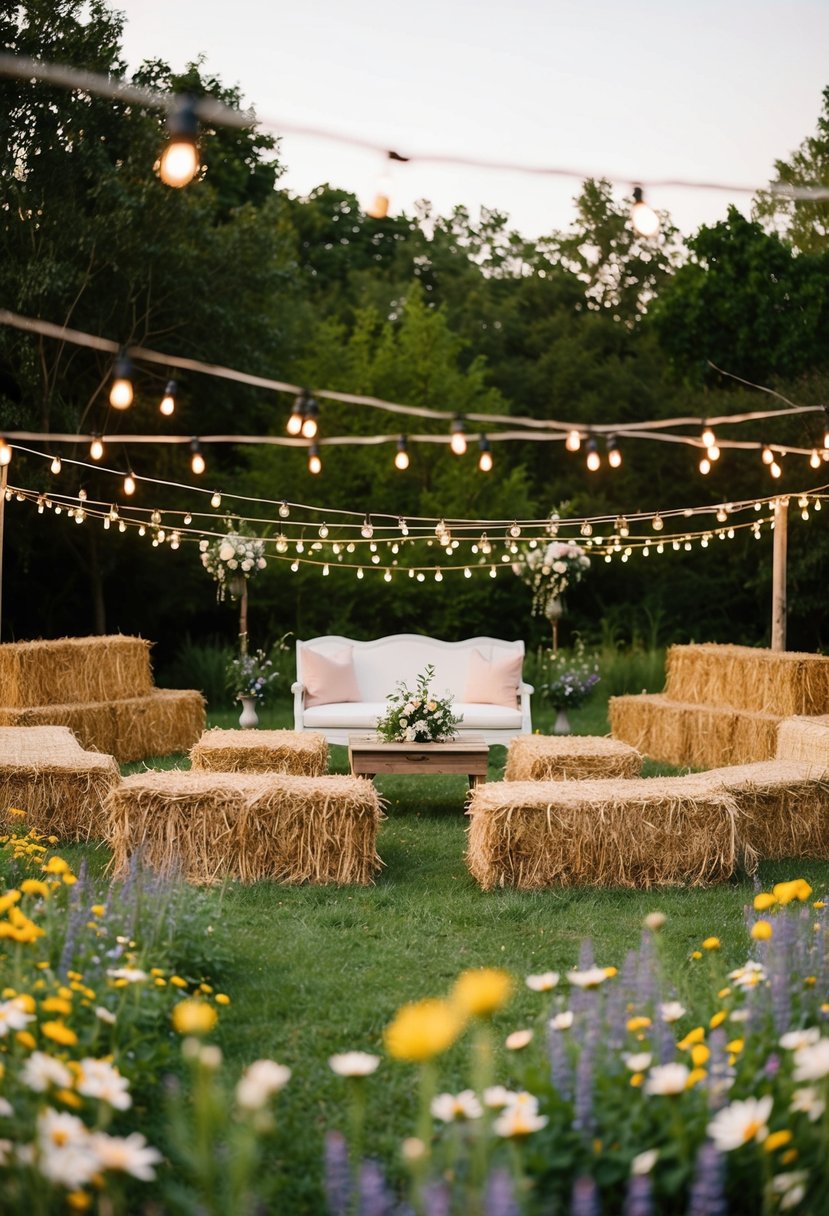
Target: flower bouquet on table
x=550 y=569
x=251 y=675
x=232 y=558
x=419 y=716
x=567 y=678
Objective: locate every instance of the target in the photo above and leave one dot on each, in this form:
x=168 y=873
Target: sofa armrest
x=524 y=693
x=298 y=689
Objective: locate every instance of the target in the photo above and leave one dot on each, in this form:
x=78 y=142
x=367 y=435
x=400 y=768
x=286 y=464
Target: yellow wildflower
x=636 y=1079
x=98 y=909
x=695 y=1076
x=637 y=1023
x=723 y=993
x=194 y=1017
x=810 y=981
x=79 y=1201
x=819 y=903
x=56 y=1004
x=711 y=943
x=222 y=998
x=7 y=900
x=789 y=1156
x=480 y=992
x=696 y=954
x=69 y=880
x=761 y=930
x=26 y=1040
x=33 y=886
x=611 y=971
x=423 y=1030
x=735 y=1046
x=764 y=901
x=205 y=988
x=177 y=981
x=696 y=1035
x=56 y=865
x=798 y=888
x=74 y=975
x=159 y=982
x=156 y=970
x=69 y=1098
x=776 y=1140
x=15 y=810
x=60 y=1032
x=26 y=1002
x=717 y=1019
x=700 y=1054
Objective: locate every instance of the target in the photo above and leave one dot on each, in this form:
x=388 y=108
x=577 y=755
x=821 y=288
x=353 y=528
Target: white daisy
x=42 y=1070
x=353 y=1064
x=544 y=982
x=128 y=1154
x=740 y=1122
x=450 y=1108
x=259 y=1081
x=667 y=1079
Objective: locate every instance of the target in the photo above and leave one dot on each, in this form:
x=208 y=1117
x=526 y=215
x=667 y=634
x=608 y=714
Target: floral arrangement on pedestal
x=419 y=716
x=233 y=559
x=550 y=569
x=251 y=675
x=568 y=678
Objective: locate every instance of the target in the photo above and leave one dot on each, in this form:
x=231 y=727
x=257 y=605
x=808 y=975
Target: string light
x=657 y=523
x=767 y=455
x=774 y=469
x=485 y=461
x=96 y=448
x=310 y=414
x=814 y=459
x=284 y=510
x=709 y=439
x=594 y=460
x=614 y=456
x=120 y=391
x=129 y=484
x=457 y=441
x=168 y=401
x=401 y=458
x=367 y=528
x=705 y=466
x=56 y=465
x=5 y=452
x=215 y=499
x=197 y=461
x=180 y=159
x=323 y=531
x=314 y=461
x=644 y=218
x=573 y=441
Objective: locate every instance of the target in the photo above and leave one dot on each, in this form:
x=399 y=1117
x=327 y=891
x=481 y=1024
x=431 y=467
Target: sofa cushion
x=329 y=678
x=363 y=715
x=493 y=682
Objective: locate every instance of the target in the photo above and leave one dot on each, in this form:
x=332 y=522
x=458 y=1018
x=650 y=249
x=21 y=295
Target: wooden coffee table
x=371 y=757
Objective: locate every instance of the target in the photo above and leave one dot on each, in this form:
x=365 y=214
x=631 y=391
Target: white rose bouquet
x=551 y=569
x=231 y=558
x=419 y=716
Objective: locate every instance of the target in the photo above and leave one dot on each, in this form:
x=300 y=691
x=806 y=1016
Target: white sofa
x=381 y=664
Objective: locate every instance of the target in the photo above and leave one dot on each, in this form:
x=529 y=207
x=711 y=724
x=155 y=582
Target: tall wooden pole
x=778 y=575
x=4 y=477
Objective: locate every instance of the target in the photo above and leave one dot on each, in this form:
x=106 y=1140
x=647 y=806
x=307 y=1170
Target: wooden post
x=4 y=476
x=778 y=575
x=243 y=618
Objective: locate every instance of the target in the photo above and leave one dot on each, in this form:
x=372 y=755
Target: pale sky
x=712 y=90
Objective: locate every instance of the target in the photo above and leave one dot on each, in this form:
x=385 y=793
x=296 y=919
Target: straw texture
x=804 y=739
x=73 y=670
x=569 y=757
x=210 y=826
x=62 y=788
x=163 y=721
x=784 y=807
x=637 y=833
x=699 y=736
x=761 y=681
x=302 y=753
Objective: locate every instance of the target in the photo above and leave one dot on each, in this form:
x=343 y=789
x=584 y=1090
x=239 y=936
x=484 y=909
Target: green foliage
x=804 y=222
x=200 y=665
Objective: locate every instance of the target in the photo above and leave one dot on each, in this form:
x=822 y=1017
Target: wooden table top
x=369 y=742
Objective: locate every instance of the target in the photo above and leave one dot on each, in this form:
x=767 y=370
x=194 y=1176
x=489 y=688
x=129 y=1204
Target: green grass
x=320 y=970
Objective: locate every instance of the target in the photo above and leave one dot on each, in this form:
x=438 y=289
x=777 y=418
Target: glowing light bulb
x=644 y=218
x=614 y=456
x=814 y=459
x=180 y=159
x=708 y=437
x=457 y=442
x=168 y=401
x=713 y=452
x=594 y=460
x=56 y=465
x=284 y=510
x=387 y=577
x=96 y=448
x=774 y=469
x=705 y=466
x=120 y=391
x=5 y=452
x=197 y=462
x=485 y=460
x=573 y=441
x=401 y=457
x=215 y=499
x=367 y=529
x=129 y=484
x=767 y=455
x=657 y=523
x=309 y=427
x=314 y=461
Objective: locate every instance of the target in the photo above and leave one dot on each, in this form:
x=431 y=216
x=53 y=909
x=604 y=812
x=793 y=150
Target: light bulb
x=188 y=519
x=573 y=441
x=767 y=455
x=180 y=159
x=197 y=463
x=5 y=452
x=713 y=452
x=485 y=461
x=594 y=460
x=215 y=499
x=774 y=469
x=96 y=448
x=309 y=426
x=314 y=462
x=644 y=218
x=367 y=530
x=705 y=466
x=708 y=437
x=814 y=459
x=294 y=424
x=657 y=523
x=614 y=456
x=168 y=401
x=826 y=439
x=120 y=391
x=55 y=466
x=284 y=510
x=457 y=442
x=129 y=484
x=401 y=458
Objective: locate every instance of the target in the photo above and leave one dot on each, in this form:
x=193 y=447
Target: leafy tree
x=803 y=223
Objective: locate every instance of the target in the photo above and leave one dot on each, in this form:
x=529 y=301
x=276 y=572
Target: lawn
x=313 y=971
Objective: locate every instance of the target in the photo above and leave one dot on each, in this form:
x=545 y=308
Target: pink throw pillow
x=493 y=683
x=329 y=678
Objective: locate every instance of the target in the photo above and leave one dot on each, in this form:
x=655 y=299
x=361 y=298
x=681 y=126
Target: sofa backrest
x=381 y=664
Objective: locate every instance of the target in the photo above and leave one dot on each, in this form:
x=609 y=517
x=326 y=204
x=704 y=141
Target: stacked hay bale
x=722 y=704
x=210 y=826
x=569 y=758
x=301 y=752
x=61 y=788
x=102 y=689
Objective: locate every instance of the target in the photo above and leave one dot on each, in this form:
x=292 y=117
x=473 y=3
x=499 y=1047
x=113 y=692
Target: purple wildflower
x=337 y=1179
x=436 y=1200
x=500 y=1199
x=638 y=1199
x=585 y=1198
x=707 y=1196
x=375 y=1199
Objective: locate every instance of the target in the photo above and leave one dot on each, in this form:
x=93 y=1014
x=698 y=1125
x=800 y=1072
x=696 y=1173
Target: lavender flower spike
x=337 y=1182
x=585 y=1198
x=500 y=1197
x=707 y=1197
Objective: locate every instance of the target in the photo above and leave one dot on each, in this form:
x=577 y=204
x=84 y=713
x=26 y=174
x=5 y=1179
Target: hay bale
x=73 y=670
x=697 y=736
x=805 y=740
x=784 y=808
x=570 y=758
x=210 y=826
x=761 y=681
x=637 y=833
x=303 y=753
x=165 y=721
x=62 y=788
x=93 y=724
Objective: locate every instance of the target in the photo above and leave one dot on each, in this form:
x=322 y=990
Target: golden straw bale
x=301 y=752
x=93 y=724
x=637 y=833
x=210 y=826
x=762 y=681
x=166 y=720
x=699 y=736
x=569 y=758
x=46 y=773
x=784 y=807
x=804 y=739
x=69 y=671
